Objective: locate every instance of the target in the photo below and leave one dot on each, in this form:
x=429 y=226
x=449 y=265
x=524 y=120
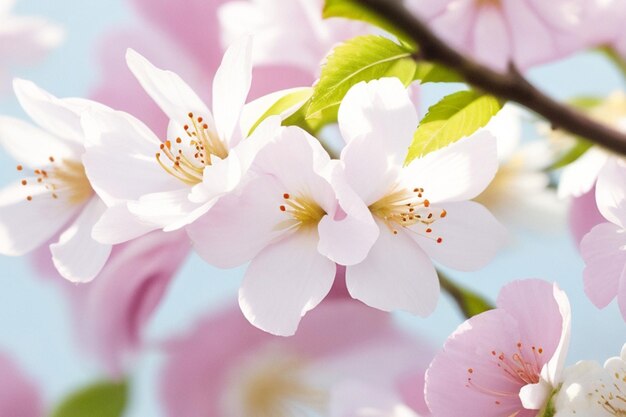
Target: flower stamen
x=68 y=178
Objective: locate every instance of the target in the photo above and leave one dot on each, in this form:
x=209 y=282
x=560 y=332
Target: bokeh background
x=35 y=322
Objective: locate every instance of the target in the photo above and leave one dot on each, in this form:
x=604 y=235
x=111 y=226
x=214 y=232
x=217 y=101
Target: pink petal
x=610 y=193
x=605 y=259
x=284 y=282
x=492 y=43
x=396 y=275
x=584 y=215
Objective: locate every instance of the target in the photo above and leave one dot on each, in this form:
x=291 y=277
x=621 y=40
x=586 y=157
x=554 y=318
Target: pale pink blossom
x=23 y=40
x=411 y=213
x=584 y=215
x=225 y=367
x=603 y=248
x=523 y=32
x=288 y=32
x=19 y=396
x=590 y=390
x=150 y=184
x=278 y=220
x=504 y=362
x=54 y=195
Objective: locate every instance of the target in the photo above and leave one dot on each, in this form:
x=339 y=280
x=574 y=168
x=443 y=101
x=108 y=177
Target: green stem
x=468 y=301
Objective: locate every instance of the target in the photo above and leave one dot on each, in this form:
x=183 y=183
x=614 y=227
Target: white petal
x=222 y=176
x=230 y=89
x=49 y=112
x=458 y=172
x=506 y=127
x=25 y=225
x=164 y=209
x=383 y=109
x=471 y=237
x=554 y=368
x=611 y=192
x=31 y=146
x=168 y=90
x=240 y=225
x=535 y=396
x=347 y=239
x=120 y=158
x=284 y=282
x=397 y=275
x=579 y=177
x=118 y=225
x=77 y=256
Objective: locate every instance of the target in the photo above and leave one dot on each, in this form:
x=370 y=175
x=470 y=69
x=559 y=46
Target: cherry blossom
x=590 y=390
x=506 y=361
x=278 y=220
x=225 y=367
x=411 y=213
x=168 y=184
x=18 y=395
x=603 y=247
x=523 y=32
x=23 y=39
x=54 y=194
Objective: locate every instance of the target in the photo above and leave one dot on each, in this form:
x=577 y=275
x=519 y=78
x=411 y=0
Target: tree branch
x=509 y=86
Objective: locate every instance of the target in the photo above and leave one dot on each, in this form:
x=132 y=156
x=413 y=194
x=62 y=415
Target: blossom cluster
x=341 y=224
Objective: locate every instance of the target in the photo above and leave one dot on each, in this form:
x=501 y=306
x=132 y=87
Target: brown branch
x=508 y=86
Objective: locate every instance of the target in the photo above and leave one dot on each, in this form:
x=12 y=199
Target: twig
x=508 y=86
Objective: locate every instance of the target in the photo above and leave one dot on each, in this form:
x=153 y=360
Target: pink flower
x=504 y=362
x=603 y=247
x=204 y=159
x=525 y=32
x=290 y=33
x=19 y=397
x=225 y=367
x=54 y=196
x=409 y=213
x=277 y=220
x=23 y=40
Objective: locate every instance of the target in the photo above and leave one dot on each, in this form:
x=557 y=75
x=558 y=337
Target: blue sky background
x=34 y=321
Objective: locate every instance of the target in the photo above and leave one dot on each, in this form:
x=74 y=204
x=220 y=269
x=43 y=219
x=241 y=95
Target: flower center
x=612 y=394
x=303 y=211
x=521 y=368
x=66 y=179
x=410 y=210
x=481 y=3
x=186 y=159
x=273 y=384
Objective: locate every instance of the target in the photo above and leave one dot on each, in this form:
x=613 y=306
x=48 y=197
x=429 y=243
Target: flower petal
x=610 y=193
x=230 y=89
x=605 y=259
x=460 y=171
x=19 y=396
x=396 y=275
x=24 y=224
x=164 y=208
x=580 y=176
x=382 y=110
x=471 y=237
x=168 y=90
x=77 y=256
x=118 y=225
x=240 y=225
x=284 y=282
x=120 y=158
x=50 y=113
x=355 y=398
x=31 y=146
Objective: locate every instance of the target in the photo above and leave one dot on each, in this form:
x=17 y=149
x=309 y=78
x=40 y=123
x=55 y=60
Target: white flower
x=413 y=212
x=54 y=195
x=590 y=390
x=23 y=39
x=149 y=184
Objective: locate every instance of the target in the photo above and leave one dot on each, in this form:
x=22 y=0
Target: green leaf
x=454 y=117
x=468 y=301
x=578 y=150
x=364 y=58
x=351 y=9
x=428 y=72
x=283 y=104
x=311 y=124
x=104 y=399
